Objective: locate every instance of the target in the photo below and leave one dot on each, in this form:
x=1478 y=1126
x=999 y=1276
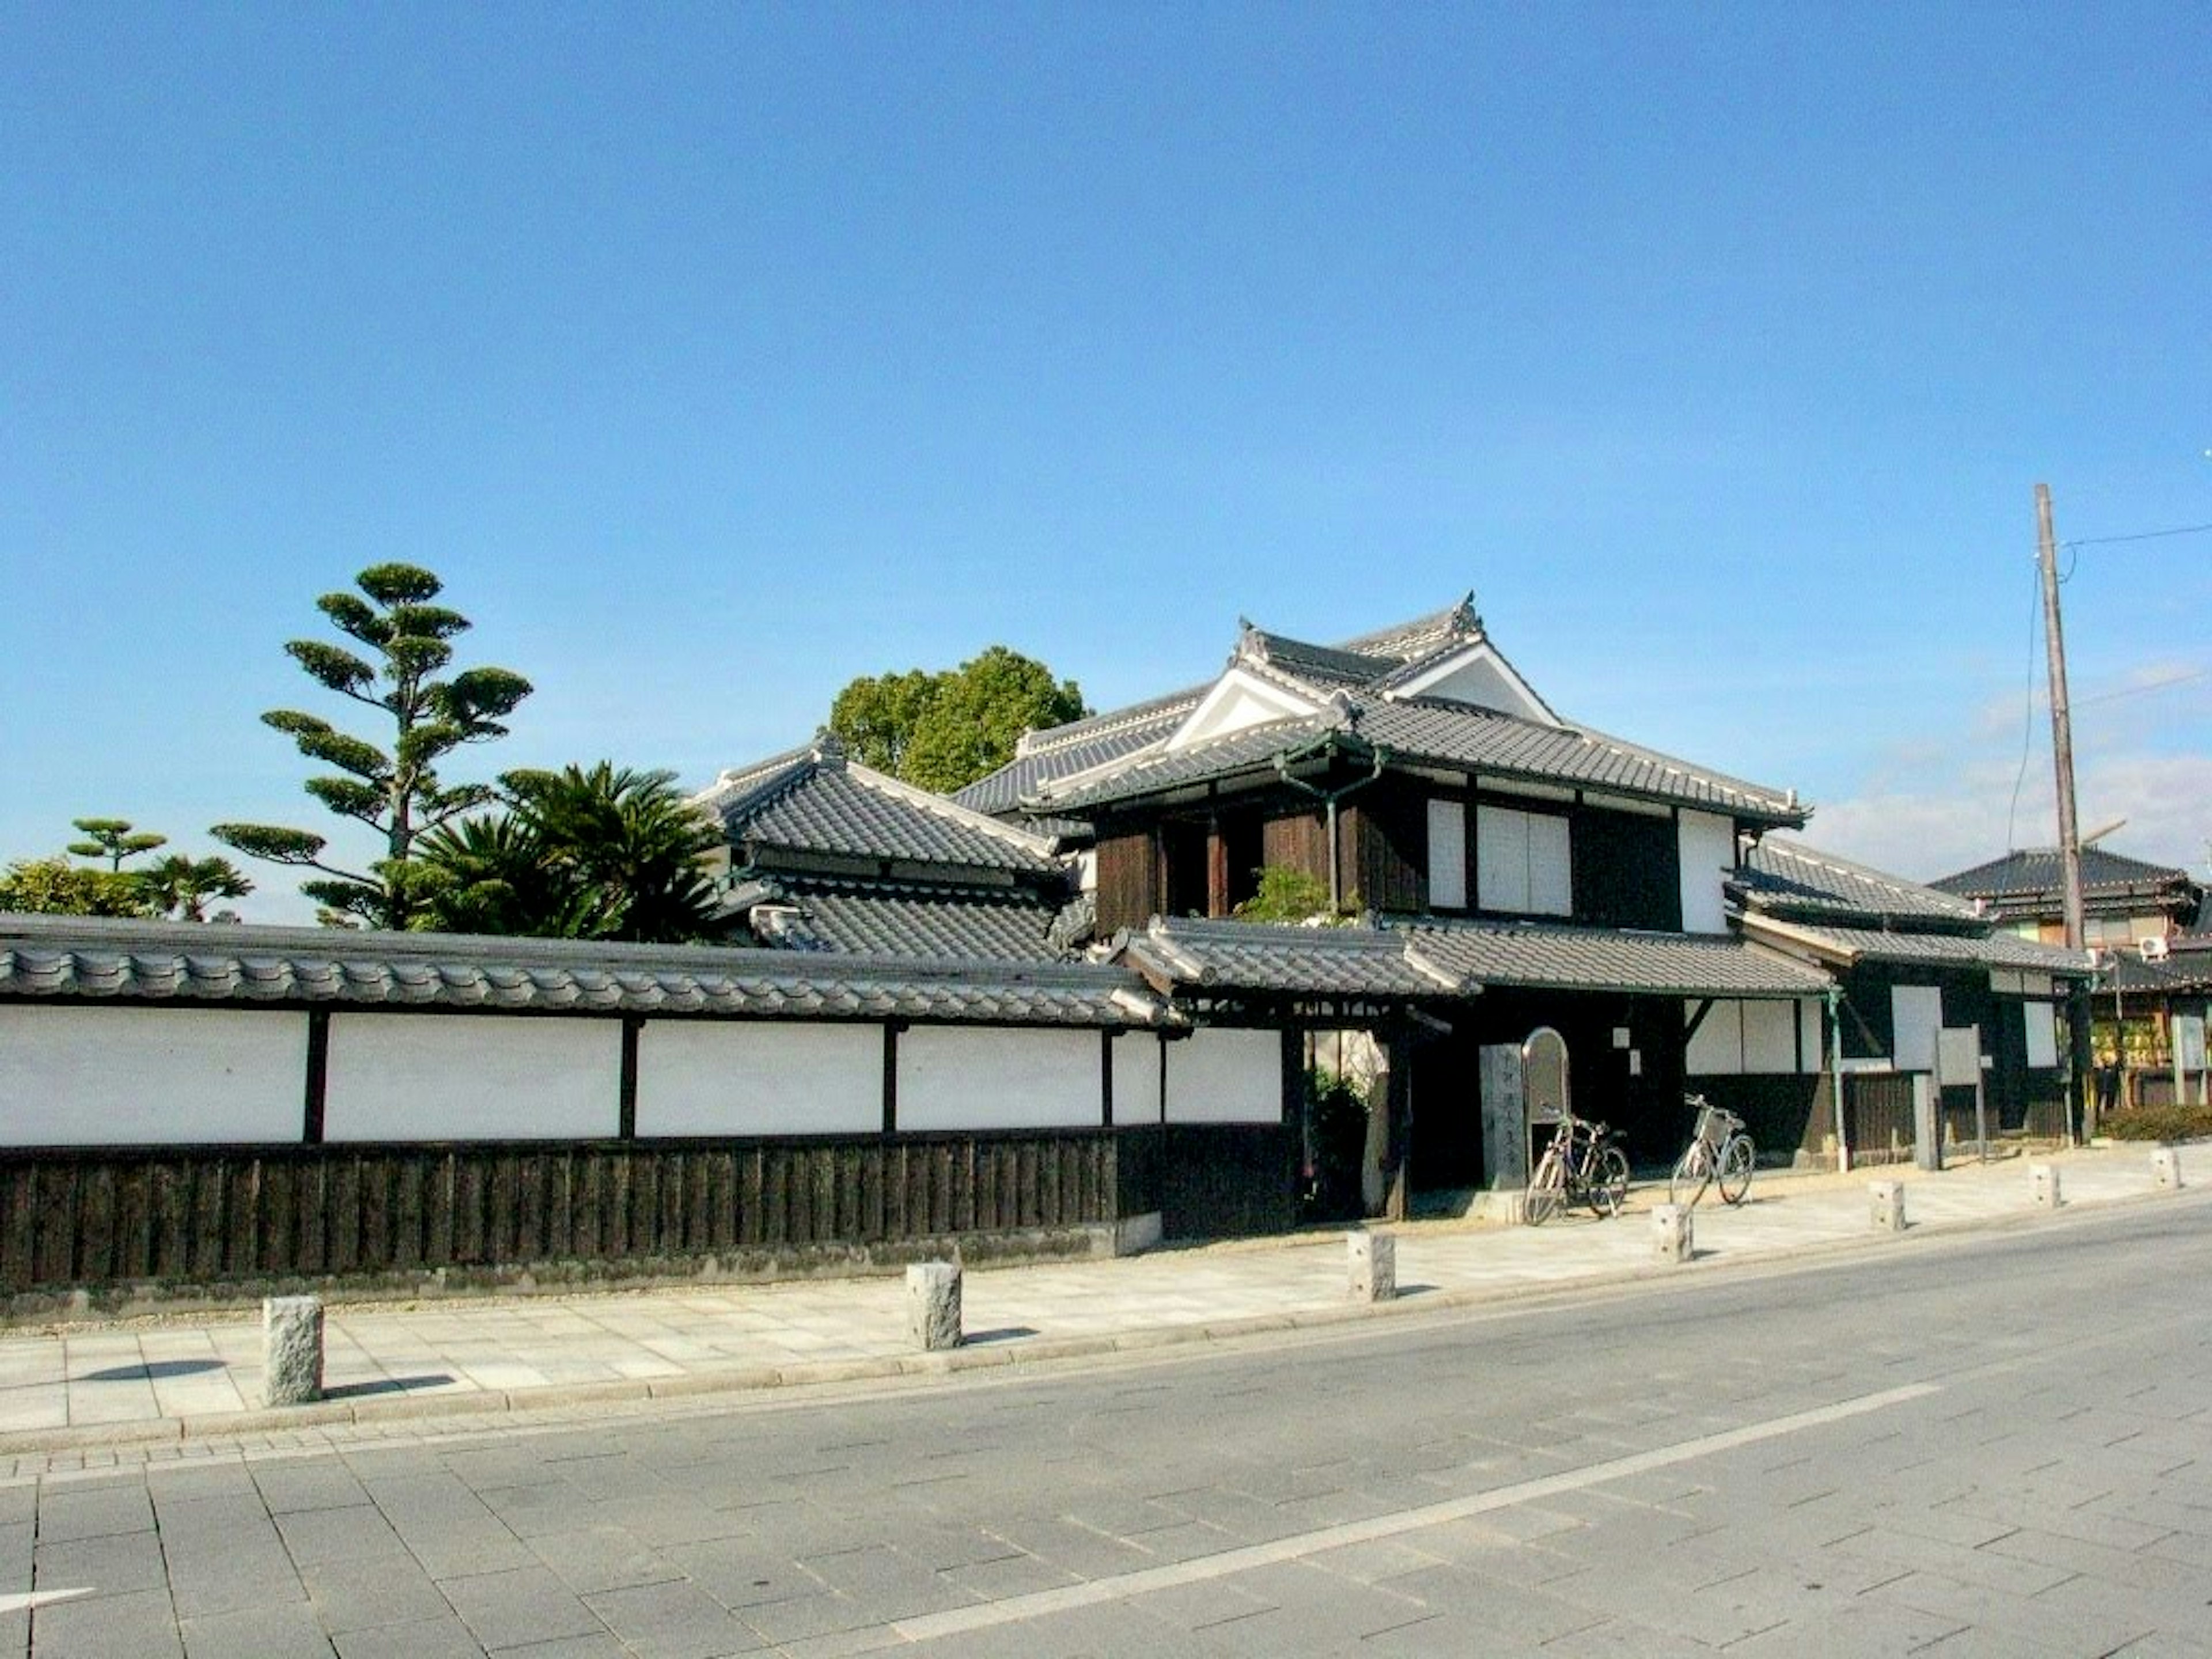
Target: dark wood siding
x=1128 y=881
x=1627 y=870
x=1297 y=842
x=1388 y=831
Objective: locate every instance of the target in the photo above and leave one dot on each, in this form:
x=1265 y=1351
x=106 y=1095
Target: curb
x=371 y=1413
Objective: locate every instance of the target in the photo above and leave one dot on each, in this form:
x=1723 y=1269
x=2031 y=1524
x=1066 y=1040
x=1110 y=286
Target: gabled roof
x=1434 y=692
x=79 y=957
x=1541 y=956
x=815 y=801
x=1845 y=946
x=1783 y=877
x=2037 y=873
x=908 y=918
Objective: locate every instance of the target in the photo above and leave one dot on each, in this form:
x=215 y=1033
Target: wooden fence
x=206 y=1216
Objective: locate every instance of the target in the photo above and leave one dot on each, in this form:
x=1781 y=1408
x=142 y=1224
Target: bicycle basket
x=1716 y=1124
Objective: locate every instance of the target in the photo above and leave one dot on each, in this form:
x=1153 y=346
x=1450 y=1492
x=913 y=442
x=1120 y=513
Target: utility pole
x=2069 y=833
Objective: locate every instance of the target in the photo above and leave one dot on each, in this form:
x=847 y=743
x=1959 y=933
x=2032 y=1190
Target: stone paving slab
x=148 y=1383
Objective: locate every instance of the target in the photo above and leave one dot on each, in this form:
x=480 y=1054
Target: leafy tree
x=945 y=730
x=112 y=839
x=606 y=853
x=396 y=792
x=55 y=887
x=1286 y=895
x=179 y=887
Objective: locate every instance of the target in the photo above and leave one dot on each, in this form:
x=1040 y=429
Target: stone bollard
x=1372 y=1261
x=1887 y=1199
x=932 y=1304
x=291 y=1350
x=2166 y=1167
x=1671 y=1233
x=2043 y=1182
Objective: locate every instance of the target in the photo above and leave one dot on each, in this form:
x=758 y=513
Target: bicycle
x=1718 y=1150
x=1582 y=1164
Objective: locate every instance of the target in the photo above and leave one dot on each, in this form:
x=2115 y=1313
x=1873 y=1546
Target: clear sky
x=716 y=354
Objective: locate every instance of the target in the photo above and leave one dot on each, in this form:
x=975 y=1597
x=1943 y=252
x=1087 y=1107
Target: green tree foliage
x=944 y=730
x=1294 y=897
x=55 y=887
x=606 y=853
x=112 y=839
x=179 y=887
x=394 y=791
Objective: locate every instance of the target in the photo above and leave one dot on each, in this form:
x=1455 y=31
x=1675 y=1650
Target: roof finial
x=1465 y=618
x=829 y=750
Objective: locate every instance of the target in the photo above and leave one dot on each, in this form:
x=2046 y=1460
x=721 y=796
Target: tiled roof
x=1075 y=747
x=1237 y=955
x=2036 y=872
x=1846 y=945
x=1551 y=958
x=815 y=800
x=1422 y=732
x=43 y=956
x=1319 y=665
x=907 y=919
x=1784 y=877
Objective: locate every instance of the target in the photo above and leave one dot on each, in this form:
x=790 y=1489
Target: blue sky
x=716 y=354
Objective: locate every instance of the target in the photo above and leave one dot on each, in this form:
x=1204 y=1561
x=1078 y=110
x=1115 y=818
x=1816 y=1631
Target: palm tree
x=605 y=853
x=179 y=887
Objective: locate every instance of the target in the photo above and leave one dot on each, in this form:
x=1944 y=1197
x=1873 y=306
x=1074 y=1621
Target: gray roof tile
x=912 y=918
x=1785 y=876
x=1546 y=956
x=1920 y=947
x=1236 y=956
x=75 y=957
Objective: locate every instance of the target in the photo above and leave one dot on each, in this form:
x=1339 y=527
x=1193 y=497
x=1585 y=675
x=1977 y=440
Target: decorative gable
x=1475 y=674
x=1239 y=701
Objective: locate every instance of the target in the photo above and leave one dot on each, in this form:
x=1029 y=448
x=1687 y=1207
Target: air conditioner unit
x=2152 y=947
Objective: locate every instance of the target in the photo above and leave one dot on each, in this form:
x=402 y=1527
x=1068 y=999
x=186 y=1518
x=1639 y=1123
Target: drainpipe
x=1328 y=799
x=1835 y=999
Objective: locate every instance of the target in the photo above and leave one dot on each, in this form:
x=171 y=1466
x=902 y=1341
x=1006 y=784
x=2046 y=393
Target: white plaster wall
x=1226 y=1077
x=1716 y=1048
x=1448 y=854
x=1137 y=1060
x=1813 y=1026
x=1769 y=1038
x=472 y=1077
x=707 y=1078
x=79 y=1076
x=2042 y=1034
x=970 y=1077
x=1707 y=843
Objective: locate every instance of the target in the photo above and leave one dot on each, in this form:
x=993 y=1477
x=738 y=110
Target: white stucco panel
x=1715 y=1050
x=113 y=1076
x=1137 y=1061
x=1226 y=1077
x=988 y=1077
x=472 y=1077
x=1447 y=854
x=1769 y=1038
x=1812 y=1034
x=1707 y=843
x=712 y=1077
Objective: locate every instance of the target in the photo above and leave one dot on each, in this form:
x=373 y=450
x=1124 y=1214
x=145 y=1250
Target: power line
x=2140 y=536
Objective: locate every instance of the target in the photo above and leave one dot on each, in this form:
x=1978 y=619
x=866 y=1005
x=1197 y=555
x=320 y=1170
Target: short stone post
x=932 y=1304
x=1887 y=1201
x=2043 y=1182
x=1671 y=1233
x=291 y=1350
x=1371 y=1260
x=2166 y=1167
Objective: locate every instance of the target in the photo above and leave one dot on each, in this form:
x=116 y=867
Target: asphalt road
x=1995 y=1445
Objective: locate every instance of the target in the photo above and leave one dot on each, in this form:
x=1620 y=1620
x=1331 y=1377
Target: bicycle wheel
x=1736 y=1168
x=1544 y=1189
x=1609 y=1182
x=1692 y=1172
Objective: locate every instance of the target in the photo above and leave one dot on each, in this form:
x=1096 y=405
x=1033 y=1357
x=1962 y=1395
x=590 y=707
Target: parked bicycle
x=1719 y=1150
x=1583 y=1164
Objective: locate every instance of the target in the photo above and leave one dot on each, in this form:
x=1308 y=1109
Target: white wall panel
x=2042 y=1034
x=1916 y=1016
x=984 y=1077
x=709 y=1078
x=1813 y=1034
x=1716 y=1048
x=1446 y=855
x=1137 y=1061
x=1226 y=1077
x=472 y=1077
x=1769 y=1038
x=1501 y=858
x=1707 y=842
x=78 y=1076
x=1551 y=866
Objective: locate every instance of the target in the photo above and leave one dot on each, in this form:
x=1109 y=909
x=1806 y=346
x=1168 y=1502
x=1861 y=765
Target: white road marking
x=39 y=1598
x=1204 y=1568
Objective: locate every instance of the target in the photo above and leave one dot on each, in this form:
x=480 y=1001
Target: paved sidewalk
x=148 y=1381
